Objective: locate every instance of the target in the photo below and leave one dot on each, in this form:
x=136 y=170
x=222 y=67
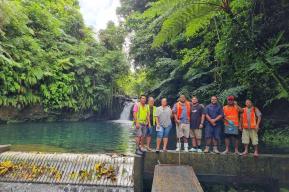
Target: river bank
x=37 y=113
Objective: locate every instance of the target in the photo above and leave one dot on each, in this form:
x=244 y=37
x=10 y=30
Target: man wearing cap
x=231 y=120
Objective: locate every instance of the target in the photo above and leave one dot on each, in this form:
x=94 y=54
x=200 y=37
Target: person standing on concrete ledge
x=250 y=123
x=182 y=115
x=196 y=124
x=141 y=122
x=164 y=124
x=152 y=110
x=213 y=124
x=231 y=120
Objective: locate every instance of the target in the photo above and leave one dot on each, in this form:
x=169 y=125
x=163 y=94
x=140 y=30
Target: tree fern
x=189 y=16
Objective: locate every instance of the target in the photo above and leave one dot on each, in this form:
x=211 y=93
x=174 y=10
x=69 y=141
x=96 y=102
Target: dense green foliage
x=49 y=57
x=211 y=47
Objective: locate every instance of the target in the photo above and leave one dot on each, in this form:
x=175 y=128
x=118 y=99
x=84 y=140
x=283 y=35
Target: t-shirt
x=164 y=116
x=196 y=115
x=214 y=110
x=257 y=112
x=184 y=118
x=135 y=107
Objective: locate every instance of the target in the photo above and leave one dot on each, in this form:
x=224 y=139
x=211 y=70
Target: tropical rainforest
x=213 y=47
x=201 y=47
x=49 y=57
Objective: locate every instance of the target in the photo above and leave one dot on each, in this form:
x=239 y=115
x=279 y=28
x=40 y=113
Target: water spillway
x=101 y=170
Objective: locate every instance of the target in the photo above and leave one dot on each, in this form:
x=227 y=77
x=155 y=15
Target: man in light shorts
x=182 y=115
x=164 y=124
x=250 y=124
x=196 y=124
x=141 y=122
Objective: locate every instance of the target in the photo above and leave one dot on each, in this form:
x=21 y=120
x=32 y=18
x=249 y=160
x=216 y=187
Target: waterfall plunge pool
x=79 y=137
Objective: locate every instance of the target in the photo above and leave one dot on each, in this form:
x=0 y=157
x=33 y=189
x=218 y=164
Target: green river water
x=80 y=137
x=84 y=137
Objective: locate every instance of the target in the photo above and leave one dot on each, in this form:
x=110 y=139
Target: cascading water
x=125 y=114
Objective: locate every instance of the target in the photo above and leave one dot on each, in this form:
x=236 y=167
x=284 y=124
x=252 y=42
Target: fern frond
x=160 y=7
x=188 y=16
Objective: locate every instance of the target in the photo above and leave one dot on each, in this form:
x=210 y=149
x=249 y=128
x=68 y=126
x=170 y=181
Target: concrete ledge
x=4 y=148
x=267 y=167
x=138 y=173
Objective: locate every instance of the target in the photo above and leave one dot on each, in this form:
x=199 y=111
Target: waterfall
x=125 y=114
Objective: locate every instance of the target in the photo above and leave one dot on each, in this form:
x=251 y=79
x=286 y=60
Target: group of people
x=191 y=118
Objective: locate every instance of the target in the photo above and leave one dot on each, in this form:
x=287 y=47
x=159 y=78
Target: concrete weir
x=267 y=170
x=76 y=172
x=171 y=178
x=69 y=169
x=4 y=148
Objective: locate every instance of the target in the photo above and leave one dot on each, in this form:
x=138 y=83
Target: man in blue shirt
x=214 y=115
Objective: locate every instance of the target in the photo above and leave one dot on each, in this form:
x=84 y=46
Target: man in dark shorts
x=213 y=124
x=231 y=120
x=196 y=124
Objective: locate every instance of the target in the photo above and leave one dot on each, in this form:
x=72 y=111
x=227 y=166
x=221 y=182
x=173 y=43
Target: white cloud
x=96 y=13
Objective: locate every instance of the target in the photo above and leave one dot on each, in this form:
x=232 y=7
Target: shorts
x=196 y=133
x=231 y=129
x=183 y=130
x=250 y=134
x=141 y=131
x=150 y=131
x=227 y=136
x=212 y=132
x=164 y=132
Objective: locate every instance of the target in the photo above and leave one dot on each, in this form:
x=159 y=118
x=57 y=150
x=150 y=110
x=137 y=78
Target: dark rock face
x=37 y=113
x=278 y=113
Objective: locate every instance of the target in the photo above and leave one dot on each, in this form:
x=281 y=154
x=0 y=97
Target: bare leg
x=215 y=147
x=208 y=144
x=149 y=138
x=246 y=149
x=186 y=145
x=165 y=140
x=159 y=140
x=142 y=142
x=227 y=143
x=215 y=142
x=256 y=153
x=194 y=142
x=185 y=140
x=199 y=142
x=137 y=142
x=236 y=145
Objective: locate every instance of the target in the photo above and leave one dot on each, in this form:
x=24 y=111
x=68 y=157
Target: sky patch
x=96 y=13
